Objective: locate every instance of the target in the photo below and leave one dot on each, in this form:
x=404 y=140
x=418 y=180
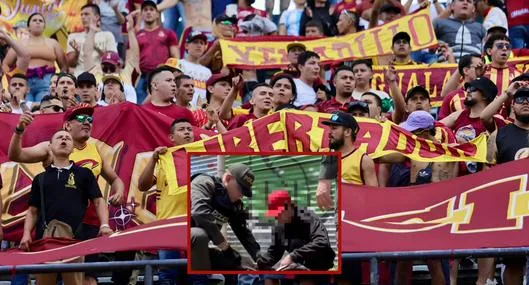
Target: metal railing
x=373 y=257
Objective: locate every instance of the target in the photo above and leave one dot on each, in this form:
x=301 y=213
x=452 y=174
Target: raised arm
x=375 y=12
x=147 y=178
x=452 y=84
x=18 y=53
x=133 y=53
x=60 y=55
x=451 y=120
x=36 y=153
x=396 y=94
x=206 y=59
x=225 y=112
x=368 y=171
x=166 y=4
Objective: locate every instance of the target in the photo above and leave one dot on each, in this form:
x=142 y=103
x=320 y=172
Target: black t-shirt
x=66 y=194
x=509 y=141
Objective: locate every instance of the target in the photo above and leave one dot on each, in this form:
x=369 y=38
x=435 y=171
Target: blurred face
x=36 y=25
x=401 y=48
x=163 y=86
x=475 y=69
x=87 y=16
x=336 y=137
x=87 y=92
x=359 y=113
x=220 y=90
x=226 y=29
x=61 y=144
x=311 y=69
x=362 y=74
x=262 y=98
x=418 y=102
x=149 y=15
x=344 y=22
x=65 y=87
x=387 y=17
x=300 y=2
x=80 y=127
x=234 y=189
x=53 y=85
x=520 y=107
x=500 y=52
x=481 y=7
x=374 y=109
x=293 y=54
x=51 y=107
x=182 y=133
x=186 y=91
x=282 y=92
x=18 y=87
x=113 y=93
x=313 y=32
x=196 y=48
x=109 y=68
x=22 y=33
x=286 y=215
x=344 y=82
x=463 y=9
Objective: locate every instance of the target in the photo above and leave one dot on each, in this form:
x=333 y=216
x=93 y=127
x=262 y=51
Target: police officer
x=215 y=202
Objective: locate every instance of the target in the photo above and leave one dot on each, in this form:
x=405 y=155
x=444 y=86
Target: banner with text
x=270 y=52
x=487 y=209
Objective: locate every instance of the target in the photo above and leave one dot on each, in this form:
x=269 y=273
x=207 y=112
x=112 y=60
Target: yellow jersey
x=88 y=157
x=167 y=205
x=352 y=167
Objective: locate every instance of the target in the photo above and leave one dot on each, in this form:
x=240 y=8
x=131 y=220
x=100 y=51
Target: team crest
x=71 y=181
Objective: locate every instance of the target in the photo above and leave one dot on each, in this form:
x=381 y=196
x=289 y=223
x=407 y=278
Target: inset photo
x=258 y=214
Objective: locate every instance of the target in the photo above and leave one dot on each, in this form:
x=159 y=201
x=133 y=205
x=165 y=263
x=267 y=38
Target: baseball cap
x=86 y=77
x=148 y=3
x=389 y=8
x=277 y=201
x=401 y=36
x=81 y=109
x=113 y=76
x=223 y=18
x=485 y=85
x=244 y=176
x=419 y=120
x=521 y=77
x=296 y=44
x=340 y=118
x=196 y=35
x=111 y=57
x=498 y=29
x=522 y=92
x=358 y=105
x=218 y=77
x=417 y=90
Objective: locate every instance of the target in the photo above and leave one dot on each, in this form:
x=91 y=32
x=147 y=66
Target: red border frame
x=339 y=213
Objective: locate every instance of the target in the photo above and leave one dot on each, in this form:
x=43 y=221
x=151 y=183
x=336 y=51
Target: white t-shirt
x=433 y=12
x=200 y=75
x=19 y=110
x=357 y=95
x=306 y=94
x=291 y=19
x=495 y=17
x=104 y=41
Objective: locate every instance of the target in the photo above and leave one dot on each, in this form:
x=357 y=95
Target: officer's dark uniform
x=211 y=208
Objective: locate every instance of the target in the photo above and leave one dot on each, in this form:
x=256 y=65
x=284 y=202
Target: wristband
x=19 y=131
x=104 y=226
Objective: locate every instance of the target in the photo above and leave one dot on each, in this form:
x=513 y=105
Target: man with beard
x=168 y=205
x=508 y=144
x=344 y=84
x=261 y=105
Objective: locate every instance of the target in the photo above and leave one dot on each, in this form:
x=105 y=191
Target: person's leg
x=485 y=270
x=46 y=279
x=73 y=278
x=513 y=274
x=436 y=271
x=168 y=276
x=403 y=272
x=122 y=276
x=454 y=270
x=199 y=249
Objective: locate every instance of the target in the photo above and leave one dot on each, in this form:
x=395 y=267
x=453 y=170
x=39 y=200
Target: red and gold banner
x=270 y=52
x=487 y=209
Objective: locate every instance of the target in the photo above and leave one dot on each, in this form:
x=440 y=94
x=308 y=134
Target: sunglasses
x=109 y=69
x=84 y=118
x=521 y=100
x=503 y=45
x=227 y=23
x=54 y=107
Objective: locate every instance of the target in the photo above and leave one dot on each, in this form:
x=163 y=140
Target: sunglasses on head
x=521 y=100
x=503 y=45
x=84 y=118
x=55 y=108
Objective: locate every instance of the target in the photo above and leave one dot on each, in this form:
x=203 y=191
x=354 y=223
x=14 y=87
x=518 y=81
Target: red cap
x=111 y=57
x=277 y=201
x=82 y=109
x=216 y=78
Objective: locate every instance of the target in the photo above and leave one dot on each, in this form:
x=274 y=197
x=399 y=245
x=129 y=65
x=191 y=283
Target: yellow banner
x=377 y=41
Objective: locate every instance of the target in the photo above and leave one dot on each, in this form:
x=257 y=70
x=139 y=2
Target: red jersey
x=173 y=111
x=332 y=105
x=239 y=120
x=155 y=47
x=468 y=128
x=444 y=134
x=517 y=12
x=201 y=118
x=453 y=102
x=502 y=78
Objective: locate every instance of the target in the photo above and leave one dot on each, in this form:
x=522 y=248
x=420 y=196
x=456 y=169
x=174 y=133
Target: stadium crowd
x=126 y=53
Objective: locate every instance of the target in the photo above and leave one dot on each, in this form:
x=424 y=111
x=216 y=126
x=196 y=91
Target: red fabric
x=201 y=118
x=517 y=12
x=448 y=107
x=447 y=135
x=154 y=47
x=332 y=105
x=238 y=121
x=520 y=52
x=349 y=5
x=173 y=111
